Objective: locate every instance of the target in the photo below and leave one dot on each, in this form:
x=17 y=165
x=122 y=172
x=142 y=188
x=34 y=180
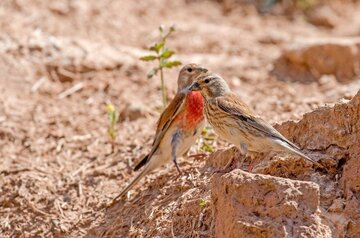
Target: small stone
x=337 y=205
x=133 y=111
x=323 y=16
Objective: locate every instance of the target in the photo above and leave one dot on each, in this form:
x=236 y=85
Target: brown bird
x=178 y=127
x=235 y=122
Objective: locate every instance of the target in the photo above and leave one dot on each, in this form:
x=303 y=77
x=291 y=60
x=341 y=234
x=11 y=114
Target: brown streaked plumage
x=235 y=122
x=178 y=126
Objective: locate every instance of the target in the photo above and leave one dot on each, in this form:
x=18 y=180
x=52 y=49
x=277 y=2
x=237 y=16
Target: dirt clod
x=254 y=205
x=310 y=59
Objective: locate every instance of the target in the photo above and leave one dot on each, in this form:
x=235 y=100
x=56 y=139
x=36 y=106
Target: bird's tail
x=142 y=162
x=296 y=151
x=144 y=172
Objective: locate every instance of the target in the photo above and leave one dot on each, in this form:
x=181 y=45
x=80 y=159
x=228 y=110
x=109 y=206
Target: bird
x=178 y=126
x=237 y=123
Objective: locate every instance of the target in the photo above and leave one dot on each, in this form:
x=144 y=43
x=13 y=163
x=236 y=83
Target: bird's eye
x=189 y=70
x=207 y=81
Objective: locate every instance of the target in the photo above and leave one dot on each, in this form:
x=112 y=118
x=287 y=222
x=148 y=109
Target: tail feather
x=146 y=170
x=295 y=150
x=142 y=163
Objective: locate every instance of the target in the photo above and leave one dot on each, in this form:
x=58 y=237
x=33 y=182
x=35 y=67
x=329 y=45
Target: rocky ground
x=61 y=62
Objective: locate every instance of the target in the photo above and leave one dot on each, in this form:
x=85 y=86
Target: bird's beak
x=194 y=87
x=202 y=69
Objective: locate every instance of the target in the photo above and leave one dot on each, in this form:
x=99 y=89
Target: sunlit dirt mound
x=284 y=196
x=62 y=62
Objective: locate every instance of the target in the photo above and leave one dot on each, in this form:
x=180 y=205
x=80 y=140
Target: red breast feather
x=194 y=105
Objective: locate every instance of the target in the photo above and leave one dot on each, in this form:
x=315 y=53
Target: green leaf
x=110 y=108
x=205 y=130
x=207 y=134
x=157 y=47
x=170 y=64
x=112 y=134
x=148 y=58
x=206 y=147
x=167 y=54
x=202 y=203
x=152 y=73
x=113 y=116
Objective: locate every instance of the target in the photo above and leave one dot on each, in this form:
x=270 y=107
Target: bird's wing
x=169 y=114
x=232 y=104
x=165 y=120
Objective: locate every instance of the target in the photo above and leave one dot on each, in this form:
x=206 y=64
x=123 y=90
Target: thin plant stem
x=163 y=88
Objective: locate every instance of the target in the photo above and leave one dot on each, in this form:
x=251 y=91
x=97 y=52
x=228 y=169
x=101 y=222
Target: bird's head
x=210 y=85
x=188 y=74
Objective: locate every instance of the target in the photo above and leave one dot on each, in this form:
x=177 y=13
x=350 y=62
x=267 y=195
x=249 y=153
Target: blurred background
x=62 y=62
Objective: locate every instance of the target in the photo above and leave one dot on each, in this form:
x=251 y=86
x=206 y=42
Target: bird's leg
x=243 y=152
x=252 y=163
x=174 y=144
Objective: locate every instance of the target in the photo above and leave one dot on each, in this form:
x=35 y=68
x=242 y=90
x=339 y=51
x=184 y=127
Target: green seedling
x=202 y=203
x=113 y=117
x=162 y=55
x=206 y=137
x=206 y=147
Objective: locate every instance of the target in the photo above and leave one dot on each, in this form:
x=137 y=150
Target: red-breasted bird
x=178 y=127
x=235 y=122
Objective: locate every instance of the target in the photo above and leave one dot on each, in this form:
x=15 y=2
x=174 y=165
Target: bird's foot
x=177 y=168
x=241 y=161
x=252 y=164
x=180 y=173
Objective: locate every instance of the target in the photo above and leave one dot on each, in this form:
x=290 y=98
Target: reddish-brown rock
x=333 y=131
x=323 y=16
x=310 y=59
x=220 y=158
x=255 y=205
